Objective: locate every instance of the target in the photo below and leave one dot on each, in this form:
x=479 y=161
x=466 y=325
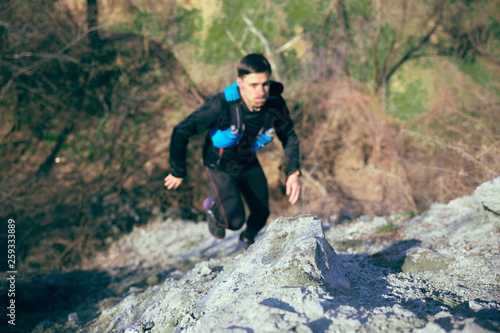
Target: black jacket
x=215 y=114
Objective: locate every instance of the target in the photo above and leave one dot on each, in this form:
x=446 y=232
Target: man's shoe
x=216 y=230
x=245 y=242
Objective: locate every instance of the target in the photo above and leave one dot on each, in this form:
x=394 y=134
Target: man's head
x=253 y=63
x=254 y=72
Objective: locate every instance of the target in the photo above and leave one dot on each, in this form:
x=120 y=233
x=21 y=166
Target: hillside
x=437 y=272
x=87 y=113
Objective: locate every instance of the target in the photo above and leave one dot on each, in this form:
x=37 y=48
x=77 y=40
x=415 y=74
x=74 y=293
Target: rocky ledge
x=435 y=272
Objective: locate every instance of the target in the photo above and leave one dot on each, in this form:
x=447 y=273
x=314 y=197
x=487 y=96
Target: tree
x=384 y=35
x=368 y=40
x=245 y=27
x=92 y=23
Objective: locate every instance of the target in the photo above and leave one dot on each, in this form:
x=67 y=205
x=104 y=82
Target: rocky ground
x=436 y=272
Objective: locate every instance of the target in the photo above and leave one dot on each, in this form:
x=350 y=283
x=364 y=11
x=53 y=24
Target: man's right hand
x=172 y=182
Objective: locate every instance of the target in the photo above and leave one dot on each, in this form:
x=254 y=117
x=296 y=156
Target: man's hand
x=293 y=188
x=172 y=182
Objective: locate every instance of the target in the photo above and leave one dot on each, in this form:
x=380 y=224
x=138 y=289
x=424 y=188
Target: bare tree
x=92 y=23
x=404 y=48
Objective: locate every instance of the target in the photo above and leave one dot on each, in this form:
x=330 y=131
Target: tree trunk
x=339 y=45
x=92 y=23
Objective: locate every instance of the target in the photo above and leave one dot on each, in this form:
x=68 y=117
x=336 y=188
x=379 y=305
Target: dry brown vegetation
x=358 y=159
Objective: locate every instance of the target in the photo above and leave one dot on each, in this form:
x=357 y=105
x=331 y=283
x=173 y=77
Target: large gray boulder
x=277 y=276
x=469 y=223
x=280 y=283
x=488 y=194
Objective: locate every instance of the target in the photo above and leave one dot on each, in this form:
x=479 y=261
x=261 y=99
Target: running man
x=240 y=120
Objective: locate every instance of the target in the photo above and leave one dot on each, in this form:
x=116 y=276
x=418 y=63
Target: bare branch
x=290 y=43
x=395 y=46
x=376 y=41
x=239 y=45
x=265 y=42
x=11 y=65
x=76 y=40
x=410 y=53
x=43 y=55
x=5 y=88
x=455 y=148
x=36 y=64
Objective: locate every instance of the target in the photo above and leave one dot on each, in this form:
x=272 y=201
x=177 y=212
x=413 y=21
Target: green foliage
x=477 y=71
x=494 y=30
x=229 y=37
x=389 y=227
x=50 y=137
x=300 y=13
x=359 y=18
x=188 y=24
x=409 y=101
x=357 y=8
x=146 y=24
x=291 y=65
x=171 y=100
x=403 y=216
x=308 y=15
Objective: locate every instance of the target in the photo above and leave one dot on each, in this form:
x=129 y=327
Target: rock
x=282 y=281
x=489 y=195
x=140 y=327
x=152 y=280
x=469 y=326
x=421 y=259
x=205 y=270
x=430 y=327
x=439 y=272
x=293 y=253
x=73 y=318
x=303 y=329
x=43 y=326
x=277 y=276
x=135 y=328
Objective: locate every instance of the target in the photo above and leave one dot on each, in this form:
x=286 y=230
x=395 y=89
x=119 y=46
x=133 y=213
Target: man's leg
x=253 y=185
x=228 y=206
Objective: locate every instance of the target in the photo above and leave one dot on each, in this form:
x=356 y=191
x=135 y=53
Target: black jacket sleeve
x=283 y=125
x=206 y=116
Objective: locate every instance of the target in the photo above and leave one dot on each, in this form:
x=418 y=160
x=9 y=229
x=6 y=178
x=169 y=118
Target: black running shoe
x=216 y=230
x=245 y=242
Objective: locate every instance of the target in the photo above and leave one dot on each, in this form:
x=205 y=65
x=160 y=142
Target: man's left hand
x=293 y=188
x=172 y=182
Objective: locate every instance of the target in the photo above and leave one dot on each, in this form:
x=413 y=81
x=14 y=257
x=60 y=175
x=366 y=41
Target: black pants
x=227 y=189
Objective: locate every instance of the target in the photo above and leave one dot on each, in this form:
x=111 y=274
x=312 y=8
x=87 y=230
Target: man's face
x=254 y=89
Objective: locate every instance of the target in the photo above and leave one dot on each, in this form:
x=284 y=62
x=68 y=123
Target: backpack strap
x=236 y=126
x=267 y=121
x=275 y=91
x=231 y=93
x=232 y=96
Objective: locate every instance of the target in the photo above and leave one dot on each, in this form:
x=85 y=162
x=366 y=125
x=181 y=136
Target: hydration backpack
x=231 y=136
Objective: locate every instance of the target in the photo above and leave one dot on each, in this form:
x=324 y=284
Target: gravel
x=435 y=272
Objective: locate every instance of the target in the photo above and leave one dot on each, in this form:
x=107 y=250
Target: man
x=241 y=119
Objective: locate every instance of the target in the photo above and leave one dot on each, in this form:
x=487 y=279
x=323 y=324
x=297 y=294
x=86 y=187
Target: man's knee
x=236 y=220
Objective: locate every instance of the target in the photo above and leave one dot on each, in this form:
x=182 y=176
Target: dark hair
x=253 y=63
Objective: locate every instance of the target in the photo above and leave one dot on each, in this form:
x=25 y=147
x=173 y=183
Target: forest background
x=396 y=104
